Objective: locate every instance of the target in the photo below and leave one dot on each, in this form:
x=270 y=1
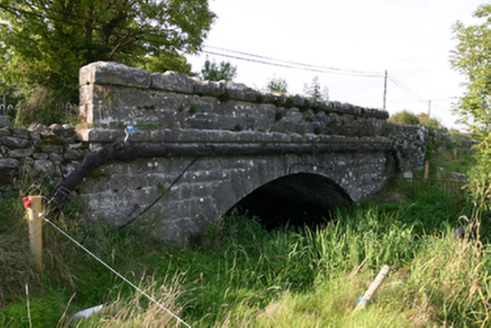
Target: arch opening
x=296 y=200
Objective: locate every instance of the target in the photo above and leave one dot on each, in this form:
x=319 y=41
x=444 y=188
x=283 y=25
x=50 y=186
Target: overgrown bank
x=240 y=274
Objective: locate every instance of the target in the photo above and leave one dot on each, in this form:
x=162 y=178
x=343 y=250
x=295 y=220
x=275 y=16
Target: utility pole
x=429 y=108
x=385 y=90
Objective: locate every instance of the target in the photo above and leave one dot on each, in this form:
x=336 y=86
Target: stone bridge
x=223 y=144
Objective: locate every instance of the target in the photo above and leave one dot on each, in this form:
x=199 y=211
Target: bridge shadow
x=296 y=200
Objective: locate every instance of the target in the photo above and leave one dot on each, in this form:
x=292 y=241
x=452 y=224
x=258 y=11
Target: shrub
x=404 y=117
x=42 y=105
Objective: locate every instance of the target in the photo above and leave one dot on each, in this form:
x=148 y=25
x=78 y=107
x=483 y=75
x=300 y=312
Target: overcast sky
x=411 y=39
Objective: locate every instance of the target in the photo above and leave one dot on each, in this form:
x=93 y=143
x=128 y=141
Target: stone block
x=40 y=156
x=4 y=121
x=45 y=166
x=20 y=153
x=20 y=133
x=9 y=163
x=13 y=142
x=210 y=88
x=52 y=149
x=172 y=81
x=5 y=132
x=111 y=73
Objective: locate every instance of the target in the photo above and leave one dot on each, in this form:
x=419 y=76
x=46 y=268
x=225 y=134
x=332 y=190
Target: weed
x=224 y=97
x=192 y=110
x=290 y=102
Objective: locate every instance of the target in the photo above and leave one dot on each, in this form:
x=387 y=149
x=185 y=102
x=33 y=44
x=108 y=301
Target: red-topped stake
x=27 y=202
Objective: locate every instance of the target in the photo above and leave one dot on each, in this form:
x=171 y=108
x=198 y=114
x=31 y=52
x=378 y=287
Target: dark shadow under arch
x=295 y=200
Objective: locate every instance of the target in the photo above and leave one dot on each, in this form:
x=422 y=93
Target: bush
x=404 y=117
x=42 y=105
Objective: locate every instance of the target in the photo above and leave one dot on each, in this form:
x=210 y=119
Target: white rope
x=111 y=269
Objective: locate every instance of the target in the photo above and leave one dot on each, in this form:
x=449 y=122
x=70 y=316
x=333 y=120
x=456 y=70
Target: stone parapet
x=113 y=95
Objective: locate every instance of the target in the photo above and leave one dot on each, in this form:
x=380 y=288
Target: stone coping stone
x=221 y=137
x=115 y=74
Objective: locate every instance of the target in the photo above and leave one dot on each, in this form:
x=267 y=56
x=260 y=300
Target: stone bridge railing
x=113 y=96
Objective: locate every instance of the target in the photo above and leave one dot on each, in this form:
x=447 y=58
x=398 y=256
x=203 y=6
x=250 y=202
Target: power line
x=417 y=96
x=408 y=91
x=341 y=70
x=293 y=65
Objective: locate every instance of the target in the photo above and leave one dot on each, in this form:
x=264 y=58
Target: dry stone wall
x=48 y=152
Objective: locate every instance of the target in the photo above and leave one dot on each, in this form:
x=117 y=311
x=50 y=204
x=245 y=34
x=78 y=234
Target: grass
x=239 y=274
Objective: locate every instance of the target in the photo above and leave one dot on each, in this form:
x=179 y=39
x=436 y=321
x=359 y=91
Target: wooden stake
x=373 y=288
x=455 y=153
x=427 y=170
x=35 y=229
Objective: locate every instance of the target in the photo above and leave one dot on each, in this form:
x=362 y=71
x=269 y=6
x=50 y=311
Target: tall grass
x=239 y=274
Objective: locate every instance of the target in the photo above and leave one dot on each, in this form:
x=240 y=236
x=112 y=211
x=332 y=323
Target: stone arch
x=296 y=199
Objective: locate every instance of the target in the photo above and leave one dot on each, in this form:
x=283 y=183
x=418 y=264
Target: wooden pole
x=362 y=302
x=455 y=153
x=385 y=91
x=35 y=229
x=427 y=170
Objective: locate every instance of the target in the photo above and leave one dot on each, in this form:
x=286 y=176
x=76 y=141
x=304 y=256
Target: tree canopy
x=472 y=58
x=46 y=42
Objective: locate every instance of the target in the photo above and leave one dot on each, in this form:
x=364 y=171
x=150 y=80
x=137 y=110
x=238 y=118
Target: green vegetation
x=471 y=58
x=44 y=43
x=237 y=273
x=192 y=110
x=216 y=72
x=313 y=90
x=277 y=85
x=405 y=117
x=224 y=97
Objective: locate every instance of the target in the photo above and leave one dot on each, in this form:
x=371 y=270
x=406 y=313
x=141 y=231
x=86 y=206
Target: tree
x=44 y=43
x=216 y=72
x=313 y=90
x=472 y=58
x=277 y=85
